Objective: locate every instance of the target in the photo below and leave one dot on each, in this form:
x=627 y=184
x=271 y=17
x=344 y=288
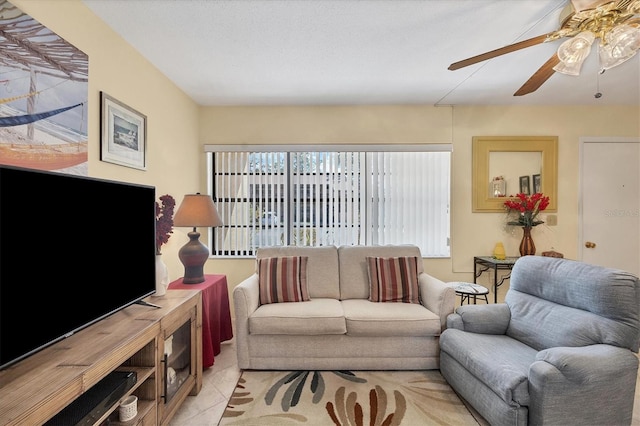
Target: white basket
x=128 y=408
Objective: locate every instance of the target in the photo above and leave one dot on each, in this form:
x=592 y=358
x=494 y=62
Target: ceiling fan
x=615 y=23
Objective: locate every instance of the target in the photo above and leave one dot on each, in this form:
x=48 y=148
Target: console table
x=216 y=315
x=37 y=388
x=485 y=263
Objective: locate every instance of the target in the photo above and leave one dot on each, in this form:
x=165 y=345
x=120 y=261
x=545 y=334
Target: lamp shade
x=197 y=210
x=620 y=45
x=573 y=52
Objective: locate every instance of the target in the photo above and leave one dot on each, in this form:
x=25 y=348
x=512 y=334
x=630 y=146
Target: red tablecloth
x=216 y=316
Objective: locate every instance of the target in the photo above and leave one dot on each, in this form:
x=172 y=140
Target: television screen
x=73 y=250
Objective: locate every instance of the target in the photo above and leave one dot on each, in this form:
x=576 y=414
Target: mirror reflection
x=513 y=172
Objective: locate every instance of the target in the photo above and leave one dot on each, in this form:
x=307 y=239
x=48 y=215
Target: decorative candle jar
x=498 y=251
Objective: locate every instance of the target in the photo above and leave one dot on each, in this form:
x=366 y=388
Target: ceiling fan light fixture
x=572 y=69
x=573 y=52
x=609 y=60
x=615 y=23
x=619 y=45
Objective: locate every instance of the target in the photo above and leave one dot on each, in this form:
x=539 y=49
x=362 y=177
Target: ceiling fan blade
x=497 y=52
x=539 y=77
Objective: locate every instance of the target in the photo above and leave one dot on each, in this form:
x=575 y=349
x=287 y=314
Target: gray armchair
x=561 y=350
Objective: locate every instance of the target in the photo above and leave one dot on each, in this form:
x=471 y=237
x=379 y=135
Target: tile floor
x=219 y=381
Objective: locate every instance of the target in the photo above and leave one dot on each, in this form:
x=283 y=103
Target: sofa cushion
x=283 y=279
x=354 y=275
x=314 y=317
x=505 y=371
x=322 y=267
x=365 y=318
x=393 y=279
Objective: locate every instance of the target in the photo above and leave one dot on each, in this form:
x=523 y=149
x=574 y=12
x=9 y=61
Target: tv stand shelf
x=35 y=389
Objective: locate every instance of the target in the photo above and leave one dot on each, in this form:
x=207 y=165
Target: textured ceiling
x=330 y=52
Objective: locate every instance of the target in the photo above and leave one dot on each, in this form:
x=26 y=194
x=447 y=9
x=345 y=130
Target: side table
x=216 y=315
x=484 y=263
x=469 y=291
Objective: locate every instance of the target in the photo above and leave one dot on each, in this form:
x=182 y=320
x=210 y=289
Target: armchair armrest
x=246 y=299
x=575 y=383
x=483 y=319
x=436 y=296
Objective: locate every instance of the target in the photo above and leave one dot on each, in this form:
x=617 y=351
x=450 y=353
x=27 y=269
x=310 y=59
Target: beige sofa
x=339 y=328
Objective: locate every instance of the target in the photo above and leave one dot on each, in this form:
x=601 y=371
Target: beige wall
x=472 y=234
x=175 y=163
x=177 y=129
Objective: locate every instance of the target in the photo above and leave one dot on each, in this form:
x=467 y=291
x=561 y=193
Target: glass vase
x=162 y=276
x=527 y=247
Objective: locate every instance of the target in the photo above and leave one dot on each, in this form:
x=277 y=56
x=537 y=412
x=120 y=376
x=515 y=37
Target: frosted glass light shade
x=620 y=45
x=573 y=52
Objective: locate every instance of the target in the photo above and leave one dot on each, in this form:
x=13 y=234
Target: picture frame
x=525 y=187
x=123 y=136
x=537 y=183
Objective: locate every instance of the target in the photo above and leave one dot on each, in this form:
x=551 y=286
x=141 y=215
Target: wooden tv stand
x=37 y=388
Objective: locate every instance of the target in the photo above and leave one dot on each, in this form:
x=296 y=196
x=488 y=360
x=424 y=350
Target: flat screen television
x=73 y=250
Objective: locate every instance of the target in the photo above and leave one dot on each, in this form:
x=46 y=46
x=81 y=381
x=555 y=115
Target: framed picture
x=525 y=188
x=123 y=137
x=537 y=186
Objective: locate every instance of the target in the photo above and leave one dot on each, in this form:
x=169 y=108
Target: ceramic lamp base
x=193 y=256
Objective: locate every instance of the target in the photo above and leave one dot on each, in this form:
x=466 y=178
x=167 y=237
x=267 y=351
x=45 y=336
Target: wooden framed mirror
x=515 y=159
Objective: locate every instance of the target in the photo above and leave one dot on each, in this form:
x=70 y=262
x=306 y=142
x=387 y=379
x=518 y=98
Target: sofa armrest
x=483 y=319
x=571 y=384
x=436 y=296
x=246 y=299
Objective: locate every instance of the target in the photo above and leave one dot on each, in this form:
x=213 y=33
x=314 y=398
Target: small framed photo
x=123 y=137
x=525 y=188
x=537 y=184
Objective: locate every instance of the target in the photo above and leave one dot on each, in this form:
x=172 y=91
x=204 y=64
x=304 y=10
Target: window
x=330 y=195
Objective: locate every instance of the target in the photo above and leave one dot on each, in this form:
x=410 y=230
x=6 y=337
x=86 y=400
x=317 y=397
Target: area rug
x=318 y=398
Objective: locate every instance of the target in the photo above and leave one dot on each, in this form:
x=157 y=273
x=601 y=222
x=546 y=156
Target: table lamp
x=195 y=210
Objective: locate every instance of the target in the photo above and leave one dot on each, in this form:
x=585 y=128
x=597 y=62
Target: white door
x=610 y=203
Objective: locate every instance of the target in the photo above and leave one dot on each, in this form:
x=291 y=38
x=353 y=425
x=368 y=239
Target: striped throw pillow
x=283 y=279
x=393 y=279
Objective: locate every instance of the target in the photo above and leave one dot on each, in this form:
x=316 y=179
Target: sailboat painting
x=43 y=96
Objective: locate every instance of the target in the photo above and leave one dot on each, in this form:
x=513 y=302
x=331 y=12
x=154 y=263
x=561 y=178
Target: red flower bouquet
x=527 y=208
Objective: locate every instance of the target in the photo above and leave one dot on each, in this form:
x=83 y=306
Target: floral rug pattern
x=345 y=398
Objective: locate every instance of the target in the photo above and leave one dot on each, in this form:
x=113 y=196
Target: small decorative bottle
x=498 y=251
x=498 y=187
